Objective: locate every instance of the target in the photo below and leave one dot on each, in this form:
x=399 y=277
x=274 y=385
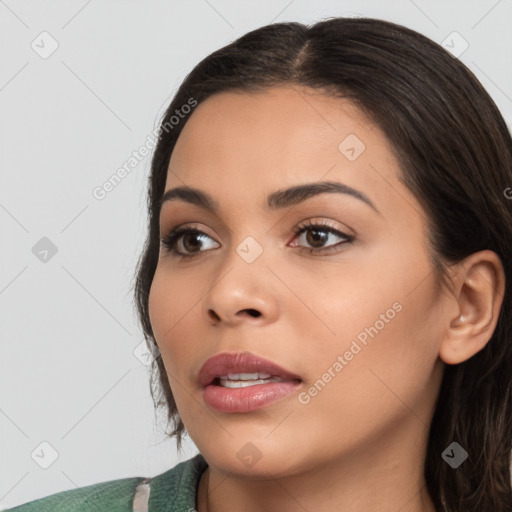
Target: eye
x=318 y=234
x=186 y=242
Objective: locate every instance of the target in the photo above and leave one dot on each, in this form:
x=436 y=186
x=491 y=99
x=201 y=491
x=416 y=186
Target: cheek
x=172 y=297
x=160 y=306
x=371 y=324
x=165 y=310
x=174 y=304
x=169 y=303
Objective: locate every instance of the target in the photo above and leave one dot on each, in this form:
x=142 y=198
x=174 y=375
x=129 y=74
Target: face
x=334 y=287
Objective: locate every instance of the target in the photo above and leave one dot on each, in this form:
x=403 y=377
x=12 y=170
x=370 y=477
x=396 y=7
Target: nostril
x=253 y=312
x=213 y=315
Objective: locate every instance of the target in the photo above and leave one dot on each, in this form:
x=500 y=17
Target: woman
x=325 y=279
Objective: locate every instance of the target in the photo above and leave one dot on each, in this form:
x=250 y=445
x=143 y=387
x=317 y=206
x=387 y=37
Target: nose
x=241 y=292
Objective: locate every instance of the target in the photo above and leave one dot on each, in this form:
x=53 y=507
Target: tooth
x=246 y=376
x=240 y=383
x=227 y=383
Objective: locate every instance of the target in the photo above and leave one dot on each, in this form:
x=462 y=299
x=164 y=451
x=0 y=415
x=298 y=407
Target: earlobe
x=478 y=294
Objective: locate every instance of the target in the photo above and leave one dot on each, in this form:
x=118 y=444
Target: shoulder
x=116 y=494
x=176 y=486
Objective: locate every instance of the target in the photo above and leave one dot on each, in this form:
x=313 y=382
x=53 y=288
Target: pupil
x=192 y=236
x=313 y=237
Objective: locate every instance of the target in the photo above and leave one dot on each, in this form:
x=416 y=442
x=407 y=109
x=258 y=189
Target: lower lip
x=249 y=398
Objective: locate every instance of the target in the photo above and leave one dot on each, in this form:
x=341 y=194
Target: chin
x=254 y=457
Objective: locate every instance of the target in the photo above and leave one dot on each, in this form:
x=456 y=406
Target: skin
x=359 y=444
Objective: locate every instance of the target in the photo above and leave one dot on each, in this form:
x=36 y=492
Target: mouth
x=237 y=370
x=243 y=382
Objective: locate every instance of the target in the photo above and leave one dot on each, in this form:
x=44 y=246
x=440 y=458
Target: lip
x=248 y=398
x=241 y=362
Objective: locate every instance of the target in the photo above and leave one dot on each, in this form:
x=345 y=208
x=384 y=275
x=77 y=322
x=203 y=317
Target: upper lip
x=240 y=362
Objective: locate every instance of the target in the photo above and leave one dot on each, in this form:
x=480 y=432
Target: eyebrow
x=277 y=200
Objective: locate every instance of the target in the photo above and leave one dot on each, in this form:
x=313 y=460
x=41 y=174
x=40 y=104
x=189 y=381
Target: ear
x=478 y=289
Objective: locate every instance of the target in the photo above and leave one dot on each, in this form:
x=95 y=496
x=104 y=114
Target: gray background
x=68 y=373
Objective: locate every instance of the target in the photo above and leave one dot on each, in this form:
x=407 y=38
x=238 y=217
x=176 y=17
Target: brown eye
x=186 y=242
x=315 y=237
x=191 y=242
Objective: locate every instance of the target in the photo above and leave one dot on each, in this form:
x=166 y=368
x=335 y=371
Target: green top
x=172 y=491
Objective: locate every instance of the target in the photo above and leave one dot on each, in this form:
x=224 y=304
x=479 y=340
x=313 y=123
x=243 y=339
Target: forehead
x=239 y=147
x=283 y=128
x=274 y=120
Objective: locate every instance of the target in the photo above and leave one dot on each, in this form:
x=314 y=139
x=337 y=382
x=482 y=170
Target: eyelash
x=172 y=237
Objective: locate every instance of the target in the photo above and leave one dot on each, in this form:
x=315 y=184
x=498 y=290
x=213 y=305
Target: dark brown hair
x=455 y=155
